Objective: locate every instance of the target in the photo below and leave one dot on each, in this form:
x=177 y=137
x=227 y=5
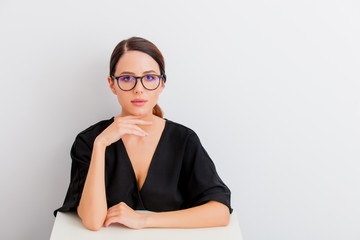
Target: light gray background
x=271 y=87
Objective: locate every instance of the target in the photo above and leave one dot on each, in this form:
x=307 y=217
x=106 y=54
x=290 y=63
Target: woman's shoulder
x=179 y=136
x=90 y=133
x=178 y=126
x=178 y=130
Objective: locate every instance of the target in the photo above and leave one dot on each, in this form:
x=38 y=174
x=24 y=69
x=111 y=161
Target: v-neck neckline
x=152 y=159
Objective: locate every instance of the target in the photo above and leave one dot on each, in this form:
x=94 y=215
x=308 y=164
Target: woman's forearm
x=211 y=214
x=92 y=208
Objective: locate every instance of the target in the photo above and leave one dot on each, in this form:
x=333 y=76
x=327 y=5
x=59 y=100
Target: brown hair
x=142 y=45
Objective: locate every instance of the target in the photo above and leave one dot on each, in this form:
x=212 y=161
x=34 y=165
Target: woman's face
x=139 y=100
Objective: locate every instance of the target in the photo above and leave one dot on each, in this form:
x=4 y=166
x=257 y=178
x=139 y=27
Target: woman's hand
x=120 y=127
x=123 y=214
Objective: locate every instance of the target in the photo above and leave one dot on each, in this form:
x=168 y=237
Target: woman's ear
x=112 y=85
x=162 y=85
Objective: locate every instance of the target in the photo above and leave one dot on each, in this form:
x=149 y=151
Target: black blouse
x=181 y=174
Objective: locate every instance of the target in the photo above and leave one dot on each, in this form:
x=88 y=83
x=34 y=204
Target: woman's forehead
x=136 y=62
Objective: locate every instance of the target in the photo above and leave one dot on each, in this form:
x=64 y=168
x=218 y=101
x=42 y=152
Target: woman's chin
x=140 y=113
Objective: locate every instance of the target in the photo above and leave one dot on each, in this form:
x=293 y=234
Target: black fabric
x=181 y=174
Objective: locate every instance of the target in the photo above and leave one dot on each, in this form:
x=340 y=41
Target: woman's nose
x=139 y=87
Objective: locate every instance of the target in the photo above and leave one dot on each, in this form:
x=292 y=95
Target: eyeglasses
x=149 y=82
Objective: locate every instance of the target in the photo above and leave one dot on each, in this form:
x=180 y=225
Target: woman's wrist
x=99 y=143
x=146 y=217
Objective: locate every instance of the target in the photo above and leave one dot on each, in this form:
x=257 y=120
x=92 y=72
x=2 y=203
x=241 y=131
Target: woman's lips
x=139 y=102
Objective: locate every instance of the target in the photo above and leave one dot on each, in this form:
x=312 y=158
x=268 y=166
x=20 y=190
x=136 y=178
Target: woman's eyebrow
x=127 y=73
x=150 y=71
x=131 y=73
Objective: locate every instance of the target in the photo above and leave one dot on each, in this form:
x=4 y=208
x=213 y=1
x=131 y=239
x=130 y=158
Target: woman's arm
x=210 y=214
x=92 y=208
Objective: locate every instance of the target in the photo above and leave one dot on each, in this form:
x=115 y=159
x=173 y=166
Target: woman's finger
x=131 y=116
x=113 y=208
x=135 y=127
x=117 y=207
x=112 y=213
x=109 y=221
x=134 y=119
x=135 y=132
x=139 y=122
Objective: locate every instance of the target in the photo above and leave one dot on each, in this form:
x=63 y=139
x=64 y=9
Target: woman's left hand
x=123 y=214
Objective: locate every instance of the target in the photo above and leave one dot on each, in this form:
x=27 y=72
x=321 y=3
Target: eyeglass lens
x=150 y=82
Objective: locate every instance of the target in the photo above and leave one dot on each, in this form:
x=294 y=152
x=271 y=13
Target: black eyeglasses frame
x=141 y=80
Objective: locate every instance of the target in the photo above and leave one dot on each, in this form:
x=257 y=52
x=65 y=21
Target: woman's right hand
x=120 y=127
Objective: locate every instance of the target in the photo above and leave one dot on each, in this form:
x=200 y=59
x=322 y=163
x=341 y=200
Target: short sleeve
x=201 y=182
x=81 y=156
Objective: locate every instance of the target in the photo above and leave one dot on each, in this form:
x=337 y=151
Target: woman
x=140 y=161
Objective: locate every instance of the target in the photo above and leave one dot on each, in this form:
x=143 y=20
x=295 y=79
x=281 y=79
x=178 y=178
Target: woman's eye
x=125 y=79
x=151 y=77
